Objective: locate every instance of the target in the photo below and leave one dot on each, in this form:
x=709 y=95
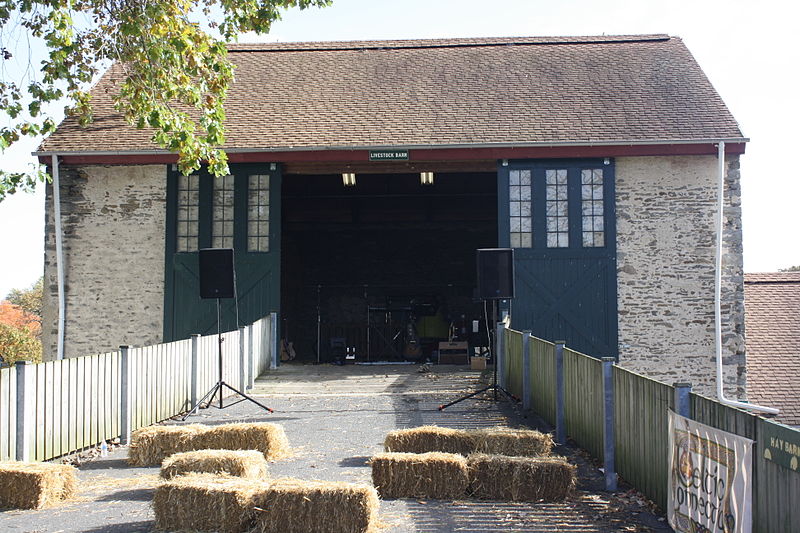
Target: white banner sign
x=710 y=482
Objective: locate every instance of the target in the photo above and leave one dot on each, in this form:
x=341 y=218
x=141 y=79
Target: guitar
x=287 y=350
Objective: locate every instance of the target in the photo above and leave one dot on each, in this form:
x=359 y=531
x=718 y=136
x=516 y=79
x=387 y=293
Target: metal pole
x=126 y=395
x=250 y=356
x=561 y=425
x=526 y=369
x=242 y=361
x=682 y=404
x=219 y=353
x=319 y=322
x=608 y=430
x=194 y=370
x=273 y=342
x=25 y=396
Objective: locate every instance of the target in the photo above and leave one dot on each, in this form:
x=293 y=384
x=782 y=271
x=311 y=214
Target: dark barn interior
x=386 y=267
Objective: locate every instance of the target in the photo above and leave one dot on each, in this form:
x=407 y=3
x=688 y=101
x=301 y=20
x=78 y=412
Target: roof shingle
x=446 y=92
x=772 y=328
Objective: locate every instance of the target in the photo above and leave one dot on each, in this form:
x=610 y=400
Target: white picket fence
x=51 y=409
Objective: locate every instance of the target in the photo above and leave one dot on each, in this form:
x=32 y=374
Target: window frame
x=538 y=170
x=240 y=173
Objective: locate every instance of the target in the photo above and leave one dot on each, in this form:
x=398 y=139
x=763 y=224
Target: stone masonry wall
x=113 y=221
x=665 y=262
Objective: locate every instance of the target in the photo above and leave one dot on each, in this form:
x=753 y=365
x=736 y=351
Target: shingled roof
x=446 y=93
x=772 y=328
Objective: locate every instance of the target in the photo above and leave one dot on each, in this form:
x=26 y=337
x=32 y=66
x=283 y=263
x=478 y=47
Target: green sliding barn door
x=240 y=211
x=559 y=217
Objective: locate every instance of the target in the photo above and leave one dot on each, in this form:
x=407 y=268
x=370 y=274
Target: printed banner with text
x=710 y=482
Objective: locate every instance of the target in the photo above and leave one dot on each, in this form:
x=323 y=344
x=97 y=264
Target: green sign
x=388 y=155
x=781 y=445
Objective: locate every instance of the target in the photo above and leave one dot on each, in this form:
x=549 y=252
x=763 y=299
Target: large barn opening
x=382 y=270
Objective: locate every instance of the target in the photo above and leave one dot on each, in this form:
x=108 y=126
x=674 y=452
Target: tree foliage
x=176 y=71
x=20 y=334
x=30 y=299
x=795 y=268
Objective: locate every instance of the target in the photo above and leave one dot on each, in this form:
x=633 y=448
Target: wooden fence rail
x=63 y=406
x=641 y=420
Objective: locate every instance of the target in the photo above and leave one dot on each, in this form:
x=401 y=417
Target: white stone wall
x=665 y=263
x=113 y=225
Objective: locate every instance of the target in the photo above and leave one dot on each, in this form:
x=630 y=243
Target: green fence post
x=608 y=431
x=682 y=405
x=526 y=370
x=561 y=424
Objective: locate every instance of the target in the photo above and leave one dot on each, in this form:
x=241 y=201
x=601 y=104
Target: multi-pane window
x=557 y=208
x=520 y=208
x=188 y=213
x=593 y=230
x=258 y=213
x=222 y=213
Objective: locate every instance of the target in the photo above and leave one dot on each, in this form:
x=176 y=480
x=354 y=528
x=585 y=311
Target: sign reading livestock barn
x=710 y=479
x=388 y=155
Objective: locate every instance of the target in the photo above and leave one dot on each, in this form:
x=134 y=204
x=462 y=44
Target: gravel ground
x=336 y=418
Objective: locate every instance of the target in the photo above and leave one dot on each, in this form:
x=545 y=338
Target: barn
x=364 y=175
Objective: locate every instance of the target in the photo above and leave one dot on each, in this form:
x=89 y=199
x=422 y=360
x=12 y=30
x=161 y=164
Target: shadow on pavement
x=129 y=527
x=138 y=495
x=355 y=461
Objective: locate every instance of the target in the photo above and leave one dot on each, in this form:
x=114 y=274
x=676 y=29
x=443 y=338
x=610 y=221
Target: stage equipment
x=218 y=280
x=216 y=273
x=495 y=277
x=495 y=273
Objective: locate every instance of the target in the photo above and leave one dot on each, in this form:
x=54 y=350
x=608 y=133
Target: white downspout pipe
x=718 y=291
x=59 y=257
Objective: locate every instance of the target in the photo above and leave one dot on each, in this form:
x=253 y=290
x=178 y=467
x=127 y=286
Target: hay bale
x=294 y=506
x=520 y=479
x=152 y=444
x=495 y=441
x=434 y=475
x=35 y=485
x=205 y=502
x=426 y=439
x=240 y=463
x=513 y=442
x=269 y=439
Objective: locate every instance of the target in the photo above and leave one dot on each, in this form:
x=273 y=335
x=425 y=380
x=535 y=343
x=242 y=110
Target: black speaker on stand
x=218 y=280
x=495 y=282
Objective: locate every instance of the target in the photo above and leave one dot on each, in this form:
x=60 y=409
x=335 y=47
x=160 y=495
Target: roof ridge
x=464 y=42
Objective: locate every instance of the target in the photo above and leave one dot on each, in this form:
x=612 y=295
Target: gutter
x=59 y=256
x=652 y=142
x=718 y=291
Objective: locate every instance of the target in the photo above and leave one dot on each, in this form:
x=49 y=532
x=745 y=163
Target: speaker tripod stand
x=496 y=389
x=220 y=386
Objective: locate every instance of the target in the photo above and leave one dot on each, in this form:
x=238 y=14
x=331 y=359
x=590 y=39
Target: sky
x=747 y=49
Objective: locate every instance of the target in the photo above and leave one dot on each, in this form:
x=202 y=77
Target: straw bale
x=425 y=439
x=35 y=485
x=295 y=506
x=269 y=439
x=206 y=503
x=152 y=444
x=433 y=475
x=520 y=479
x=241 y=463
x=514 y=442
x=495 y=441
